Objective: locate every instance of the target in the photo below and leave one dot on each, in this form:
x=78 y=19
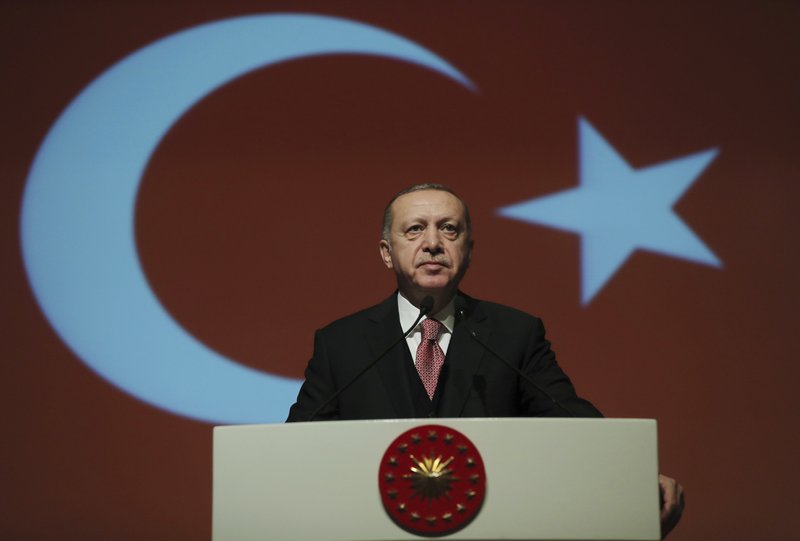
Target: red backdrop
x=258 y=219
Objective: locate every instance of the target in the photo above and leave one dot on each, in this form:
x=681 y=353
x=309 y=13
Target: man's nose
x=431 y=241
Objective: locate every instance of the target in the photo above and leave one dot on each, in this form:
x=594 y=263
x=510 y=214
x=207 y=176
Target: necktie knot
x=431 y=328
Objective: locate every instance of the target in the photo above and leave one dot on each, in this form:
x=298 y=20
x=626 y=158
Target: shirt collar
x=408 y=313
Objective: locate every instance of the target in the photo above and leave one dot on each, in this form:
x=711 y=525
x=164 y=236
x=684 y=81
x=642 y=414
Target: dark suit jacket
x=473 y=382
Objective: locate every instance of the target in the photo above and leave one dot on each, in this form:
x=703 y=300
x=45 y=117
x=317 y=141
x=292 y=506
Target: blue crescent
x=77 y=221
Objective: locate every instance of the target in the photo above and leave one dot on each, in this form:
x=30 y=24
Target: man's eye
x=415 y=229
x=449 y=228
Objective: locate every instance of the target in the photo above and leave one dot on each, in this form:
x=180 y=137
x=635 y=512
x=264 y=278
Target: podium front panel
x=546 y=479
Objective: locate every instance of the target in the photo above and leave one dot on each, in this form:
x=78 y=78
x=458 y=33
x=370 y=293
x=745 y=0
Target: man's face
x=428 y=248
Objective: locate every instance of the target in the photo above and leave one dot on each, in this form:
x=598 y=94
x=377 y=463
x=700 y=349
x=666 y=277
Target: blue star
x=617 y=209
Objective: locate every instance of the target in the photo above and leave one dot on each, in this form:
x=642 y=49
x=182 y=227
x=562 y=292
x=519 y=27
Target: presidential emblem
x=432 y=481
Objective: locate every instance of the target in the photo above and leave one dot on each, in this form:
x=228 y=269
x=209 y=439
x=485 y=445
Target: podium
x=546 y=479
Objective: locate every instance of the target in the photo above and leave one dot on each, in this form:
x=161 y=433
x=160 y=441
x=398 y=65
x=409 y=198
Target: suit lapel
x=384 y=330
x=464 y=357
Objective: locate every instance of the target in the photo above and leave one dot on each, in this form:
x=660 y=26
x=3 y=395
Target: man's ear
x=386 y=253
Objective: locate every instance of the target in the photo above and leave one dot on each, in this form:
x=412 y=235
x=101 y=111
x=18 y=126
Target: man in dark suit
x=471 y=383
x=452 y=364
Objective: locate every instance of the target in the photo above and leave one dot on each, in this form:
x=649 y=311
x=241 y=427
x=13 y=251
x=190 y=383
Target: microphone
x=461 y=309
x=425 y=306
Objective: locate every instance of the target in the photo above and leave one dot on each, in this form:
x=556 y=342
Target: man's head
x=427 y=241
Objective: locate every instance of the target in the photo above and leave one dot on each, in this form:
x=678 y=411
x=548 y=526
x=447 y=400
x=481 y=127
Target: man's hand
x=672 y=503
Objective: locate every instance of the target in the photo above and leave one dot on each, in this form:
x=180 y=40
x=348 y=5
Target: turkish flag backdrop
x=258 y=220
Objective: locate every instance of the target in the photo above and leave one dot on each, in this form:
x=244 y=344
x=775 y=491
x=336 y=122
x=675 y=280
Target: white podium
x=546 y=479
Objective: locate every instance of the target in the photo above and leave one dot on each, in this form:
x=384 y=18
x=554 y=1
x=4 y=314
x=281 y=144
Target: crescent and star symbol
x=78 y=239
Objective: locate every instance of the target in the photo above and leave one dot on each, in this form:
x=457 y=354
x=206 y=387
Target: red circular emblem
x=432 y=480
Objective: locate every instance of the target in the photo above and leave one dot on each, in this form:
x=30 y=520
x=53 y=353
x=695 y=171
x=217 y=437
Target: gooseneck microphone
x=425 y=306
x=460 y=307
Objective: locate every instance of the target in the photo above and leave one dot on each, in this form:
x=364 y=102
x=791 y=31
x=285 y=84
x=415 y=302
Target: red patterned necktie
x=430 y=356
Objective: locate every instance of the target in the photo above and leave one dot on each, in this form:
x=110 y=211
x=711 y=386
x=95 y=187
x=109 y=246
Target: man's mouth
x=432 y=264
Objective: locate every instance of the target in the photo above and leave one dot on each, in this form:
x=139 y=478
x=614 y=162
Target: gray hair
x=387 y=213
